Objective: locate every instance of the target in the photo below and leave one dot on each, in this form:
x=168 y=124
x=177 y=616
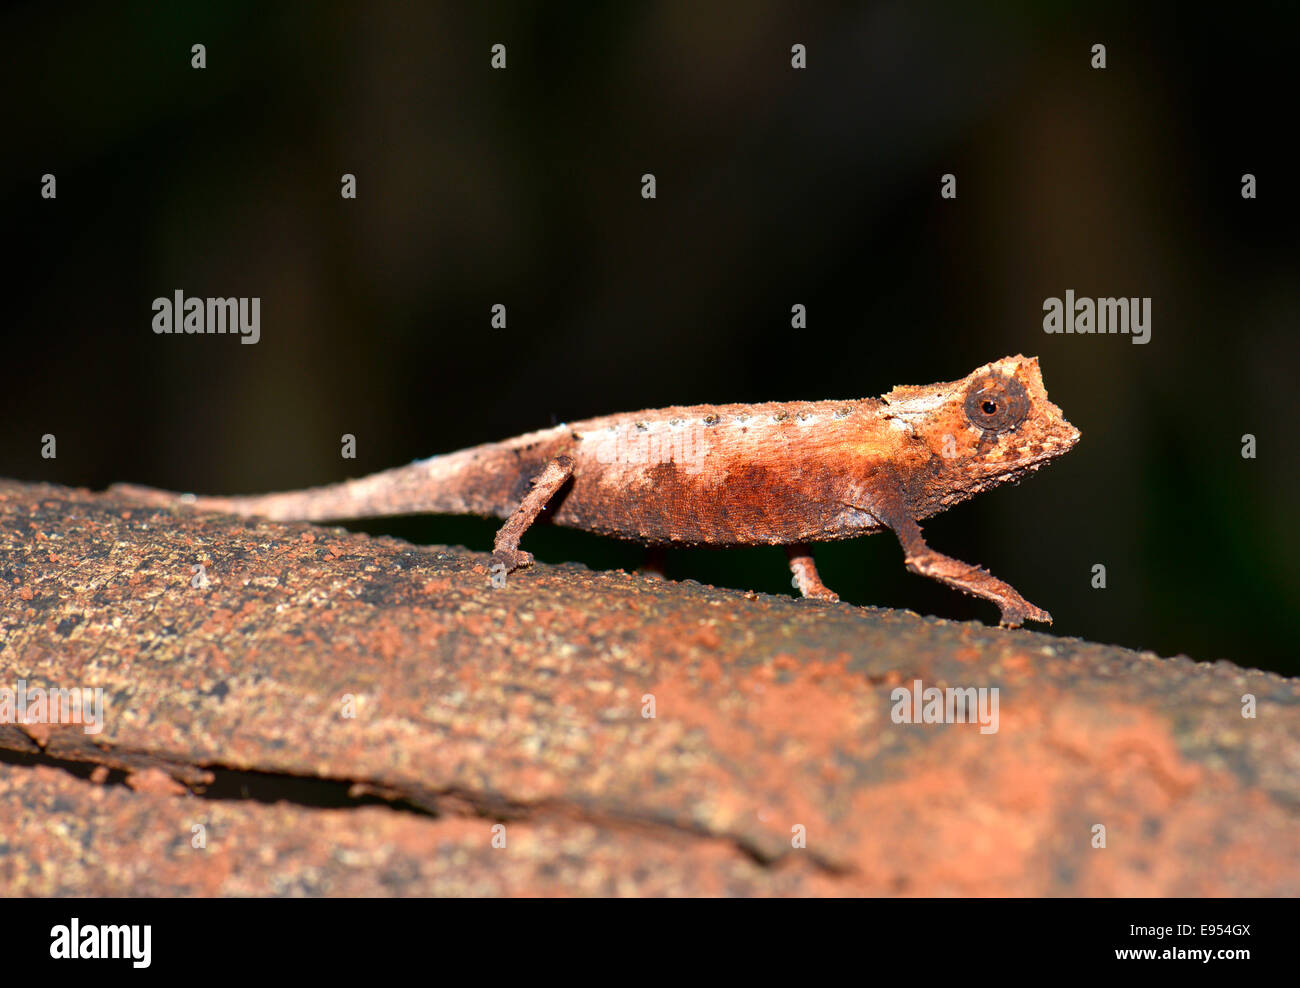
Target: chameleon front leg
x=974 y=580
x=805 y=574
x=505 y=548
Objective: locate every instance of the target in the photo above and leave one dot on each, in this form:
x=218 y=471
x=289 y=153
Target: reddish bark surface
x=338 y=714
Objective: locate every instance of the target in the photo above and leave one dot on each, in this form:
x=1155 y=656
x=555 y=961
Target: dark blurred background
x=775 y=187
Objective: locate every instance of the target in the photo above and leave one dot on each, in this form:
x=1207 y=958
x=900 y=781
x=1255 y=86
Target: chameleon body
x=781 y=473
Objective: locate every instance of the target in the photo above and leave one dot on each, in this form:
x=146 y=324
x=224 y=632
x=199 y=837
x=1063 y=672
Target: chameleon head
x=993 y=425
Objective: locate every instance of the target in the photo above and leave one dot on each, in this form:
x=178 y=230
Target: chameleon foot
x=512 y=559
x=1017 y=613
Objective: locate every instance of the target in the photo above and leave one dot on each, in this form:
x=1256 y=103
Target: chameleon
x=778 y=473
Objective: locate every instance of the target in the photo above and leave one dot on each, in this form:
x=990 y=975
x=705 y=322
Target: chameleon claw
x=830 y=596
x=1013 y=616
x=512 y=559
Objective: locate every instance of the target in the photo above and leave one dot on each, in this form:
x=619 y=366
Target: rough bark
x=524 y=707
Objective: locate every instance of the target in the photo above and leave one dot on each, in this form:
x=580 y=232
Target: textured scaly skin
x=780 y=473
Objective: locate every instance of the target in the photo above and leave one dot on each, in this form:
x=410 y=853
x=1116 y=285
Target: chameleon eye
x=996 y=404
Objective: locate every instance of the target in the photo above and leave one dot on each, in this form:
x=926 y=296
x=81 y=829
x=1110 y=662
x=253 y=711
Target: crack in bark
x=216 y=781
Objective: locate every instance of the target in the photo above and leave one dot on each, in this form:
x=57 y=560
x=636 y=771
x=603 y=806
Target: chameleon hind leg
x=805 y=574
x=505 y=549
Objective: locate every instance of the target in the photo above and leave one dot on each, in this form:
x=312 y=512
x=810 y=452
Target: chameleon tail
x=449 y=484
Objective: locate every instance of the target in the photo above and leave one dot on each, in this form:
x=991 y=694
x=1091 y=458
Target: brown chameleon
x=782 y=473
